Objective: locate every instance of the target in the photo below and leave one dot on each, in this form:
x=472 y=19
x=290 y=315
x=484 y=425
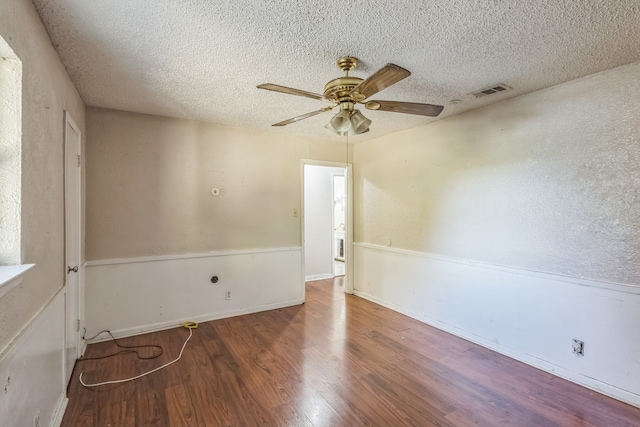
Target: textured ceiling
x=202 y=59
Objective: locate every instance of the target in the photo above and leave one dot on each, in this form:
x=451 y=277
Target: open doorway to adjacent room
x=326 y=220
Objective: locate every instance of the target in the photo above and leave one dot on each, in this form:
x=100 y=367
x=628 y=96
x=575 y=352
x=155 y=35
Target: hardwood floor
x=337 y=360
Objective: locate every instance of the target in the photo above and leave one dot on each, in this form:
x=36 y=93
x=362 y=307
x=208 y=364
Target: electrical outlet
x=295 y=213
x=227 y=295
x=578 y=347
x=36 y=420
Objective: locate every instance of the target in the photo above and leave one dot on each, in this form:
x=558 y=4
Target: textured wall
x=46 y=93
x=548 y=181
x=149 y=180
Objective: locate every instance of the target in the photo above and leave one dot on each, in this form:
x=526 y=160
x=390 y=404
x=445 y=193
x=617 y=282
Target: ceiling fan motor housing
x=340 y=89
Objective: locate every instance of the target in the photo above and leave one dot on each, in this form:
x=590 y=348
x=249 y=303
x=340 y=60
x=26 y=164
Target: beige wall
x=46 y=93
x=548 y=181
x=149 y=180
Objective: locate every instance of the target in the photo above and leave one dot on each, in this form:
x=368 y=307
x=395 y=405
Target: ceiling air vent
x=491 y=90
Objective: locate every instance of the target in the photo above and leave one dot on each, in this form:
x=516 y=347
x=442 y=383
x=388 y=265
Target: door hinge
x=78 y=326
x=79 y=161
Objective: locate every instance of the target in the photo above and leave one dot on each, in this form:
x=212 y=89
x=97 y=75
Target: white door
x=72 y=243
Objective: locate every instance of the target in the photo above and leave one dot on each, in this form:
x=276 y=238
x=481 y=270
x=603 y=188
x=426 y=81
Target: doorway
x=326 y=221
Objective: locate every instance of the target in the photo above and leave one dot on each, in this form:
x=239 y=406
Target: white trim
x=301 y=225
x=81 y=312
x=58 y=412
x=161 y=326
x=348 y=243
x=324 y=163
x=11 y=276
x=588 y=382
x=118 y=261
x=619 y=287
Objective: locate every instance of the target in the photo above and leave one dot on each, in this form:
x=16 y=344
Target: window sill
x=11 y=276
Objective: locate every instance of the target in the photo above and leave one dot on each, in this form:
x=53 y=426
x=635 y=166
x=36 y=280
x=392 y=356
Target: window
x=10 y=167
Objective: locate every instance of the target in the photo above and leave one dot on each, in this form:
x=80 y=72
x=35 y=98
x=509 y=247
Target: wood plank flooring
x=337 y=360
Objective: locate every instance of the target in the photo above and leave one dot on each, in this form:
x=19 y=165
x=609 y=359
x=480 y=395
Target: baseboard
x=529 y=316
x=58 y=412
x=145 y=329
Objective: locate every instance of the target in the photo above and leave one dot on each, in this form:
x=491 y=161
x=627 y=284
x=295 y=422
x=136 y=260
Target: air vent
x=491 y=90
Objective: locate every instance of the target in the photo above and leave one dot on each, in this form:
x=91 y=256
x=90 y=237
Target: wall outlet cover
x=578 y=347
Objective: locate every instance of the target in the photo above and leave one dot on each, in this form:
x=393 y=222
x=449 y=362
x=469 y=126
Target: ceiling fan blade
x=405 y=107
x=386 y=76
x=302 y=117
x=291 y=91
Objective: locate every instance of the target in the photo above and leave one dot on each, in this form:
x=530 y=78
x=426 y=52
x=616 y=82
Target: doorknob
x=74 y=269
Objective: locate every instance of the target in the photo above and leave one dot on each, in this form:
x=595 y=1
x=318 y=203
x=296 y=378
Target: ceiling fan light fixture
x=359 y=123
x=340 y=122
x=349 y=123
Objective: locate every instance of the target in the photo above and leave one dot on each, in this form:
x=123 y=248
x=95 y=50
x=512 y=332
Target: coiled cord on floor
x=189 y=325
x=127 y=348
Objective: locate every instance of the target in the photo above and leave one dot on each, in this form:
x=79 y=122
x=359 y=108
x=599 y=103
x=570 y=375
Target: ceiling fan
x=345 y=92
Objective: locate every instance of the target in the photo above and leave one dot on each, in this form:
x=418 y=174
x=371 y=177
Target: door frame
x=73 y=147
x=348 y=237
